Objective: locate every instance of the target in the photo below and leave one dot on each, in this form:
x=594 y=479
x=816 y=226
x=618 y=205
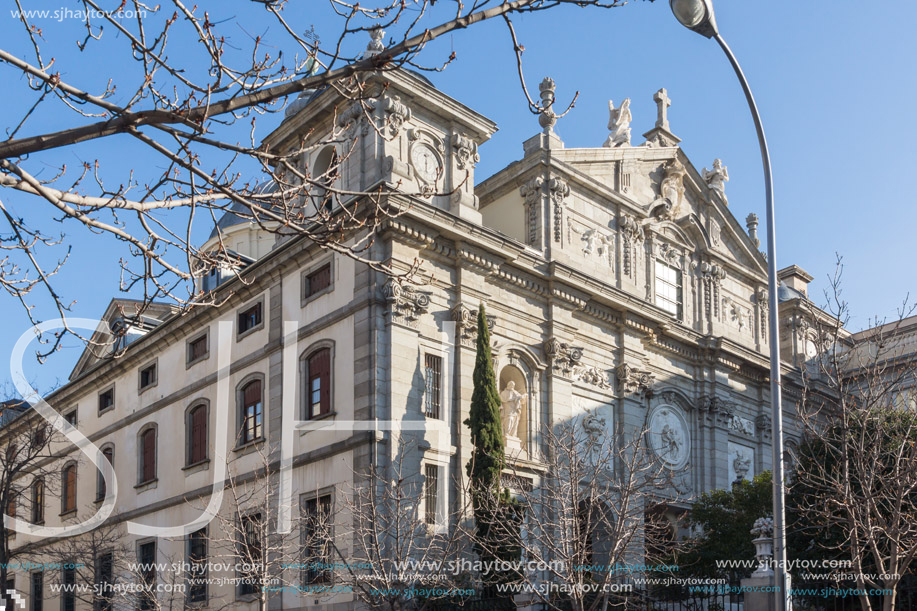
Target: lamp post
x=697 y=15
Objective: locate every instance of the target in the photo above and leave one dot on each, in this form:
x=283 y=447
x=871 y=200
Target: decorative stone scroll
x=466 y=152
x=631 y=233
x=394 y=114
x=634 y=381
x=558 y=189
x=466 y=323
x=531 y=192
x=563 y=357
x=712 y=276
x=406 y=303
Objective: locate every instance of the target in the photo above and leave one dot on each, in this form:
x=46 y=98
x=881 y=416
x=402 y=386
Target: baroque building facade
x=617 y=281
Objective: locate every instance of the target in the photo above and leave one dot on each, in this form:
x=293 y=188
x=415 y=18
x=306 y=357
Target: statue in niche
x=741 y=465
x=618 y=124
x=717 y=178
x=513 y=402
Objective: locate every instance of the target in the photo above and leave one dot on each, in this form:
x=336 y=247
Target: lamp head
x=696 y=15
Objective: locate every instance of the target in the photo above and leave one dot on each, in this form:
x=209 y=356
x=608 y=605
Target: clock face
x=425 y=162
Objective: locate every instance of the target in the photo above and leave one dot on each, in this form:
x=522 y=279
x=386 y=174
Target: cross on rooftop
x=662 y=105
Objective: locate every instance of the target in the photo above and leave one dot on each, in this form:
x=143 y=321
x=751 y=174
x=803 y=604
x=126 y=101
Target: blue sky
x=830 y=79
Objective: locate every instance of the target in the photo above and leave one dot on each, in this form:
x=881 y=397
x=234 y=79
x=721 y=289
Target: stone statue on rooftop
x=618 y=124
x=717 y=178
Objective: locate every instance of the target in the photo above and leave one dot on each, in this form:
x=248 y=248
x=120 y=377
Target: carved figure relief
x=740 y=461
x=596 y=242
x=669 y=435
x=671 y=192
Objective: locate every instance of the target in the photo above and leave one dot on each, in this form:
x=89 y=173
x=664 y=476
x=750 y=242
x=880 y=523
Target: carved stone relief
x=531 y=192
x=406 y=303
x=631 y=234
x=740 y=461
x=562 y=356
x=466 y=152
x=558 y=189
x=466 y=322
x=669 y=435
x=394 y=114
x=633 y=381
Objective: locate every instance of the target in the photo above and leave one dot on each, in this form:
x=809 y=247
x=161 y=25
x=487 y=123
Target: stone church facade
x=617 y=281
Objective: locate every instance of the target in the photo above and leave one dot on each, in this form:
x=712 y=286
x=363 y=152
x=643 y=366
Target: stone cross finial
x=375 y=46
x=547 y=119
x=662 y=108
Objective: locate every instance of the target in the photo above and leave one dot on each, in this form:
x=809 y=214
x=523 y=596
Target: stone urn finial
x=763 y=533
x=547 y=119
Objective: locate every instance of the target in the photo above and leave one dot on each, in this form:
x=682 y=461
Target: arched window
x=325 y=172
x=38 y=501
x=196 y=428
x=147 y=459
x=107 y=465
x=68 y=488
x=317 y=383
x=251 y=416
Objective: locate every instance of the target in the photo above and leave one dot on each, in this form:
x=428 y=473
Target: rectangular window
x=197 y=561
x=433 y=378
x=146 y=557
x=316 y=281
x=38 y=502
x=431 y=481
x=104 y=570
x=70 y=417
x=197 y=349
x=250 y=553
x=68 y=596
x=668 y=289
x=106 y=400
x=250 y=318
x=147 y=376
x=318 y=384
x=37 y=591
x=147 y=456
x=252 y=419
x=317 y=557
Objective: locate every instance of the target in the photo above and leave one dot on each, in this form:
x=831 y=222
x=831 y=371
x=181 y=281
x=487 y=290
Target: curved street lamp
x=697 y=15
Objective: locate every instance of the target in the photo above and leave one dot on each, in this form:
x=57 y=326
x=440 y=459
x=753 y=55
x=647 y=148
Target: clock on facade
x=426 y=163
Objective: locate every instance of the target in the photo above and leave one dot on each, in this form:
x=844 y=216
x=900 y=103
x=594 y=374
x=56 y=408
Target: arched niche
x=522 y=368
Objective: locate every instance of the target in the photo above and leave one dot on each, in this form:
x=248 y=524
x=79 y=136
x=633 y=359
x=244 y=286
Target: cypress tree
x=486 y=462
x=496 y=514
